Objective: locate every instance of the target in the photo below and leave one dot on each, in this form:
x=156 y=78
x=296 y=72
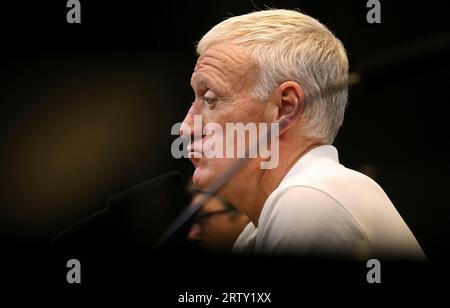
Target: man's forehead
x=223 y=54
x=225 y=59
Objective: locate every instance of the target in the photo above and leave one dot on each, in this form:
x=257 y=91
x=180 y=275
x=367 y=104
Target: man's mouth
x=195 y=157
x=195 y=153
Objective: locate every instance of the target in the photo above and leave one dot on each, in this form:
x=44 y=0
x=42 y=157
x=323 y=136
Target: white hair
x=288 y=45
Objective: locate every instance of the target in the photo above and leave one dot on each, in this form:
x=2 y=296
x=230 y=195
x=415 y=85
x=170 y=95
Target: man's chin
x=202 y=178
x=206 y=173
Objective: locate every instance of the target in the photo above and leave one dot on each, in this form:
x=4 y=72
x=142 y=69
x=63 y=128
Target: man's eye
x=209 y=98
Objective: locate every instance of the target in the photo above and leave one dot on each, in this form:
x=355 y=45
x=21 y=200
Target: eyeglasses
x=202 y=217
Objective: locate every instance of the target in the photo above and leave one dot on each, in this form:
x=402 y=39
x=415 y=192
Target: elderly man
x=275 y=66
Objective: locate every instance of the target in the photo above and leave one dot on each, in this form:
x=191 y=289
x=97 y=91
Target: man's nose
x=195 y=233
x=187 y=125
x=193 y=116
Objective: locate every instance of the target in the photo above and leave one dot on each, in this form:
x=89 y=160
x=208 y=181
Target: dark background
x=86 y=109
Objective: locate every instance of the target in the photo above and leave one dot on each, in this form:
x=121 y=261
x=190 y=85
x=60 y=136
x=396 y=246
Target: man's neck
x=251 y=197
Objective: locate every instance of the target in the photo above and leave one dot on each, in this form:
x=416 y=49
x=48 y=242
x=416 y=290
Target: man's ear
x=290 y=102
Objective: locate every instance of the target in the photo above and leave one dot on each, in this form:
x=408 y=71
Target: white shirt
x=323 y=209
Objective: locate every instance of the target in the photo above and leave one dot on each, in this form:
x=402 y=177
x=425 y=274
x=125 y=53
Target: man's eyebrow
x=192 y=81
x=200 y=81
x=203 y=81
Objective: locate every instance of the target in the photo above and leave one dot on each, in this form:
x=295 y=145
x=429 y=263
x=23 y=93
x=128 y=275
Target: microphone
x=133 y=218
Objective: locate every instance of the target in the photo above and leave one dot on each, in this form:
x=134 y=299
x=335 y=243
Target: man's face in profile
x=222 y=81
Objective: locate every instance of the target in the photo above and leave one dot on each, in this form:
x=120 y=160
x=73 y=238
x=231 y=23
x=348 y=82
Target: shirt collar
x=320 y=152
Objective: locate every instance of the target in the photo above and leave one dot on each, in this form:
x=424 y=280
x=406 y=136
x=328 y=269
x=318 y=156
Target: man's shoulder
x=303 y=200
x=349 y=192
x=352 y=203
x=335 y=180
x=303 y=220
x=328 y=172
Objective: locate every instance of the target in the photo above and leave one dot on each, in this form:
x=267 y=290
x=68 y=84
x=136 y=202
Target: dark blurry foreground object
x=132 y=221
